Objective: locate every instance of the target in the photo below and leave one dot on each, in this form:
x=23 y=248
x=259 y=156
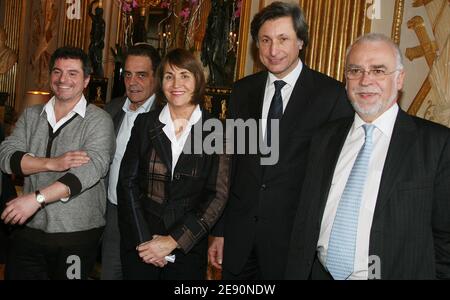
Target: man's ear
x=300 y=44
x=400 y=80
x=86 y=81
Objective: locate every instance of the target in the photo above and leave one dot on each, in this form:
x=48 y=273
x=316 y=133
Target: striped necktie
x=342 y=244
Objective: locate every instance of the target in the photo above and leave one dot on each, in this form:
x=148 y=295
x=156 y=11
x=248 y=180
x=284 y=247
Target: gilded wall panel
x=75 y=32
x=13 y=10
x=334 y=25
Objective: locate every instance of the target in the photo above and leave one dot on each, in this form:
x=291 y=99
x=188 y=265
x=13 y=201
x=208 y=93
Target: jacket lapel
x=296 y=104
x=254 y=109
x=402 y=139
x=161 y=143
x=118 y=114
x=117 y=120
x=256 y=97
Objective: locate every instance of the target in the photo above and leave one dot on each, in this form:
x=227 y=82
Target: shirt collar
x=165 y=118
x=384 y=123
x=141 y=109
x=79 y=108
x=290 y=79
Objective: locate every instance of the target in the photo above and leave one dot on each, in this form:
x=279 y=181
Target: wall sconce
x=36 y=97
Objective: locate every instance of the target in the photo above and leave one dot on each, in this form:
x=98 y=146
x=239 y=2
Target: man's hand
x=69 y=160
x=20 y=209
x=215 y=252
x=154 y=251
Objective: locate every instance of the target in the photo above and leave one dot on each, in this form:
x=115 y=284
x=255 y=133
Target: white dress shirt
x=123 y=136
x=381 y=138
x=286 y=91
x=49 y=108
x=177 y=144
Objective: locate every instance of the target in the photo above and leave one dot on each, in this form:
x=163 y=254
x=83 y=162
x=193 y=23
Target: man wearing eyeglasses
x=375 y=202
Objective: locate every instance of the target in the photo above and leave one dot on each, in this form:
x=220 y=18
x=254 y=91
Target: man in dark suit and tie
x=375 y=203
x=141 y=62
x=253 y=234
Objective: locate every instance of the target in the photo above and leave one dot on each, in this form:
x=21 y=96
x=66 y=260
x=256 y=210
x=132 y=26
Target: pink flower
x=238 y=11
x=185 y=13
x=128 y=7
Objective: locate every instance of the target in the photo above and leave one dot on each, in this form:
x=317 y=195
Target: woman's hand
x=154 y=251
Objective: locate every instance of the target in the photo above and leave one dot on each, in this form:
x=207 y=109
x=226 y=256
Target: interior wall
x=24 y=19
x=416 y=70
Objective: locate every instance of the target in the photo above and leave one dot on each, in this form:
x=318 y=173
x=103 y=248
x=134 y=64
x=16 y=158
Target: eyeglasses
x=357 y=73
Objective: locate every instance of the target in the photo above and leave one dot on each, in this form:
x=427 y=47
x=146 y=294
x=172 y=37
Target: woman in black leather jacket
x=169 y=196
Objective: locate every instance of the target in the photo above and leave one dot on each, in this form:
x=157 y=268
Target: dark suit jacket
x=151 y=202
x=114 y=108
x=411 y=226
x=263 y=200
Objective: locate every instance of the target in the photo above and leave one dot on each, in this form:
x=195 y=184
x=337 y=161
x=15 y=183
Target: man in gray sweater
x=63 y=149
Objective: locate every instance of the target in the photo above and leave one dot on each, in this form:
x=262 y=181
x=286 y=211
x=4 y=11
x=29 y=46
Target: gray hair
x=379 y=37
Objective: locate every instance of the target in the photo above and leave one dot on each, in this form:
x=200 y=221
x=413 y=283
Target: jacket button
x=263 y=187
x=255 y=218
x=176 y=176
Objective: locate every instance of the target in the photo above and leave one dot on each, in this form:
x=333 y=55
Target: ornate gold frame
x=244 y=29
x=398 y=21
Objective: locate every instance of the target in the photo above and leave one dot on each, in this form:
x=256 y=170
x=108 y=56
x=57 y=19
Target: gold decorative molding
x=262 y=3
x=76 y=32
x=427 y=47
x=334 y=25
x=244 y=32
x=398 y=21
x=13 y=11
x=420 y=98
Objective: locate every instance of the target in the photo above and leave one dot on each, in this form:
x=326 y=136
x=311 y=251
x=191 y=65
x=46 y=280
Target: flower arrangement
x=128 y=5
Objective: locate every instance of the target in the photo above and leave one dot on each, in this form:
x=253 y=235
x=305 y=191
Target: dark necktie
x=275 y=110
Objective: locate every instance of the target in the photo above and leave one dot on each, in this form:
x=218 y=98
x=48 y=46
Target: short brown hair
x=182 y=59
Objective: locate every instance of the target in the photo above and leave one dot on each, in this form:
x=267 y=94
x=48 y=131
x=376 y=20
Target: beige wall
x=417 y=70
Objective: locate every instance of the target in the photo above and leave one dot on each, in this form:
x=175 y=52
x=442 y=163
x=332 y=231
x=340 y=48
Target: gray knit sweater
x=94 y=134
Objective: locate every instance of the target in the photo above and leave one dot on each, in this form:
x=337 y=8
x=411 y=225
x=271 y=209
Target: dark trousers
x=36 y=255
x=265 y=262
x=111 y=264
x=8 y=192
x=191 y=266
x=251 y=270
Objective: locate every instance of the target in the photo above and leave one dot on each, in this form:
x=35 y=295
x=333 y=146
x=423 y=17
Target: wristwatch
x=40 y=198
